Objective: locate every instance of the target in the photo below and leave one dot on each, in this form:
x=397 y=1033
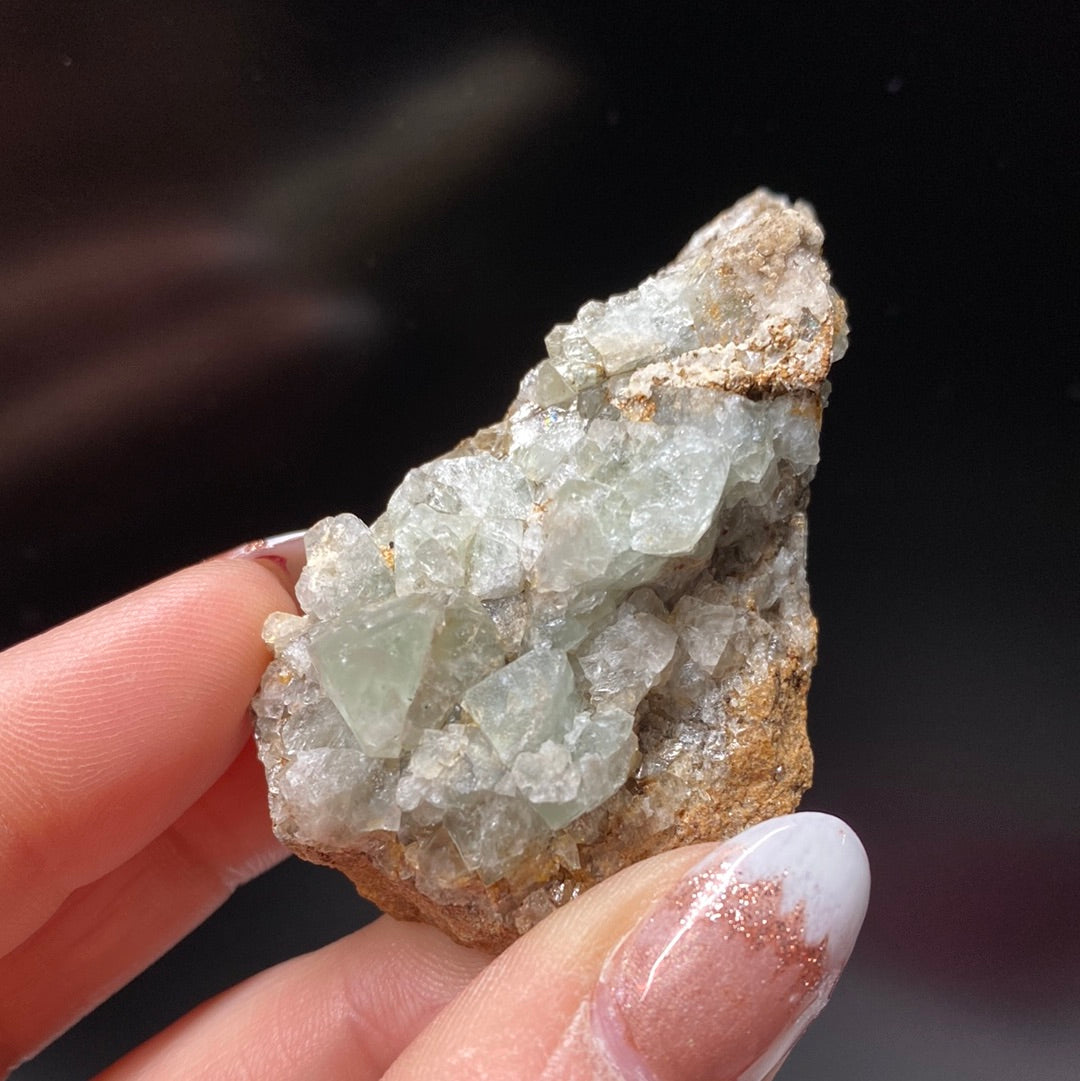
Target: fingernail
x=731 y=966
x=283 y=554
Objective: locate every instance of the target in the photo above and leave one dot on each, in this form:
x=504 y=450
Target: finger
x=110 y=930
x=724 y=962
x=701 y=963
x=116 y=723
x=345 y=1011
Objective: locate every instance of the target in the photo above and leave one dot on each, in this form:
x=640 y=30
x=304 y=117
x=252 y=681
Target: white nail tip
x=822 y=868
x=284 y=538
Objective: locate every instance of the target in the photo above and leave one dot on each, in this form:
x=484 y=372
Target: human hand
x=131 y=804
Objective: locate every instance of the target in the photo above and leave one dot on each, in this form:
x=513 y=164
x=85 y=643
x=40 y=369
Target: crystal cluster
x=583 y=635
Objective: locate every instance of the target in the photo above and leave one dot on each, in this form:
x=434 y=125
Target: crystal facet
x=583 y=635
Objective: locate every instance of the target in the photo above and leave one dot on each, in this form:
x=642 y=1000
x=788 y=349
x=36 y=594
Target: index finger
x=117 y=722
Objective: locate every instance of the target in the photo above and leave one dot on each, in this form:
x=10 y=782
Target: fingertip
x=214 y=613
x=732 y=964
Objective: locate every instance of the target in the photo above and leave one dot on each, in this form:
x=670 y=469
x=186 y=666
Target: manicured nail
x=283 y=553
x=731 y=966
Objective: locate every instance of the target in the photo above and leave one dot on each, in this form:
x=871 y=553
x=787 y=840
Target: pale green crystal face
x=561 y=605
x=530 y=700
x=370 y=664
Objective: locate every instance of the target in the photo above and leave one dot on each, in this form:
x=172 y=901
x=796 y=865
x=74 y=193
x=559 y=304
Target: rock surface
x=583 y=635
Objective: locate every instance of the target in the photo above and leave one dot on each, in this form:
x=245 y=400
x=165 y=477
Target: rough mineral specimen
x=583 y=635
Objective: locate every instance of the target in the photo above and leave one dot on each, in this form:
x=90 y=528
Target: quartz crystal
x=583 y=635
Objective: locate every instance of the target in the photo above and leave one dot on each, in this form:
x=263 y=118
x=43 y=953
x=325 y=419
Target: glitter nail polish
x=732 y=965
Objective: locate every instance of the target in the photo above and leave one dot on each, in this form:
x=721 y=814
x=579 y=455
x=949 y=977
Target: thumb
x=703 y=964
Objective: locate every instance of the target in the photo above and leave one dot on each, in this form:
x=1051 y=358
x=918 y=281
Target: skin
x=131 y=805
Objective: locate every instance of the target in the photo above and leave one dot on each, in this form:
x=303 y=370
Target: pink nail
x=728 y=970
x=283 y=553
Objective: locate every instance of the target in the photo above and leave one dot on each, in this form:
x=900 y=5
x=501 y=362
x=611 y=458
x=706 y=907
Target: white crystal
x=344 y=564
x=626 y=660
x=547 y=775
x=705 y=629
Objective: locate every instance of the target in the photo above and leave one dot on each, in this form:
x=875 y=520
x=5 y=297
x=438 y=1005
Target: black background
x=256 y=259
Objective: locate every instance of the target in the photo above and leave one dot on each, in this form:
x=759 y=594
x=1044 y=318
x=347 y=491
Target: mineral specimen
x=583 y=635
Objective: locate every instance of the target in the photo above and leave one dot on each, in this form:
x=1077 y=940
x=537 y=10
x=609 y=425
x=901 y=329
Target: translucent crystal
x=531 y=700
x=627 y=659
x=370 y=664
x=344 y=565
x=556 y=648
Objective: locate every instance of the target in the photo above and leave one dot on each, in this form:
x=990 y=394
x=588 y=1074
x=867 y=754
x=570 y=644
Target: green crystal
x=547 y=633
x=370 y=664
x=530 y=700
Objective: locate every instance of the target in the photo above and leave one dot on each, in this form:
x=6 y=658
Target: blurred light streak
x=129 y=328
